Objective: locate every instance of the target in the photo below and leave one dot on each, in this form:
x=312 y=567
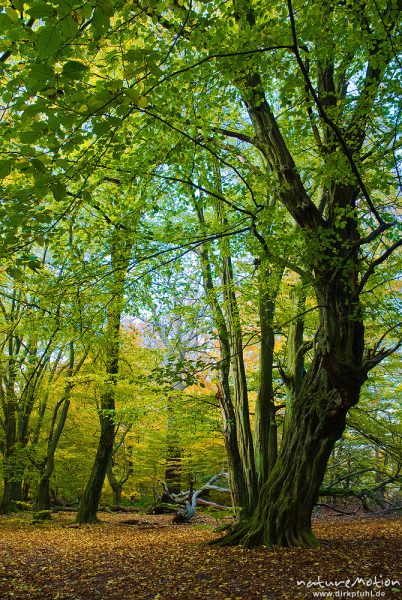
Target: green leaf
x=14 y=272
x=5 y=22
x=41 y=72
x=38 y=165
x=134 y=55
x=5 y=168
x=106 y=7
x=143 y=102
x=133 y=94
x=101 y=128
x=12 y=13
x=58 y=190
x=100 y=21
x=40 y=10
x=18 y=5
x=86 y=196
x=31 y=136
x=153 y=67
x=48 y=40
x=74 y=69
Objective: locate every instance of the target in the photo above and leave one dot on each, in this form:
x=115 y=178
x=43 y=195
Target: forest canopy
x=200 y=256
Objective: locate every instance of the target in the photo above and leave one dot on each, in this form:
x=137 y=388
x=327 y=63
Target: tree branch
x=378 y=261
x=338 y=134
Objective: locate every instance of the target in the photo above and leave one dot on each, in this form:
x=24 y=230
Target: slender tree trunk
x=237 y=468
x=91 y=496
x=117 y=486
x=56 y=429
x=12 y=471
x=173 y=450
x=26 y=487
x=121 y=252
x=294 y=375
x=265 y=428
x=240 y=392
x=173 y=464
x=238 y=370
x=237 y=480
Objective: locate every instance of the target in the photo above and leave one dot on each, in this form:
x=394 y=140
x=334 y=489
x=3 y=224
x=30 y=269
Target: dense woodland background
x=200 y=256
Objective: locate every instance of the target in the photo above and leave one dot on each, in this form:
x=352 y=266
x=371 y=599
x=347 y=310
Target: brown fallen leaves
x=156 y=560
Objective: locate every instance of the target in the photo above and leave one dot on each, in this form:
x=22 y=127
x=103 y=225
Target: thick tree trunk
x=334 y=379
x=11 y=494
x=43 y=494
x=91 y=496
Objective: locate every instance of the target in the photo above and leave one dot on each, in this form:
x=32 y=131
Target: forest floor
x=157 y=560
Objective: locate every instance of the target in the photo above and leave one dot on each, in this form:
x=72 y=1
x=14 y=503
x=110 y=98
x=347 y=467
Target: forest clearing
x=156 y=560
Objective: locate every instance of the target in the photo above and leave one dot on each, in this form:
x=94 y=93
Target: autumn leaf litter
x=152 y=559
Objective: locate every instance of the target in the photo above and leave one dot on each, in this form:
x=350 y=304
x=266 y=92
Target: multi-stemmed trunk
x=238 y=370
x=237 y=480
x=330 y=387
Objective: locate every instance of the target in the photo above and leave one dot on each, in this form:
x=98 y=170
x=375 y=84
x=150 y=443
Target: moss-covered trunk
x=283 y=515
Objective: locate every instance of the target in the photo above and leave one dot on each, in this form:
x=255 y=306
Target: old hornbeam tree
x=334 y=243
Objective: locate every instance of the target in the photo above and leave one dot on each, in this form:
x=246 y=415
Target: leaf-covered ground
x=155 y=559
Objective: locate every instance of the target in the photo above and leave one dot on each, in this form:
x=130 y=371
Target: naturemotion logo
x=359 y=587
